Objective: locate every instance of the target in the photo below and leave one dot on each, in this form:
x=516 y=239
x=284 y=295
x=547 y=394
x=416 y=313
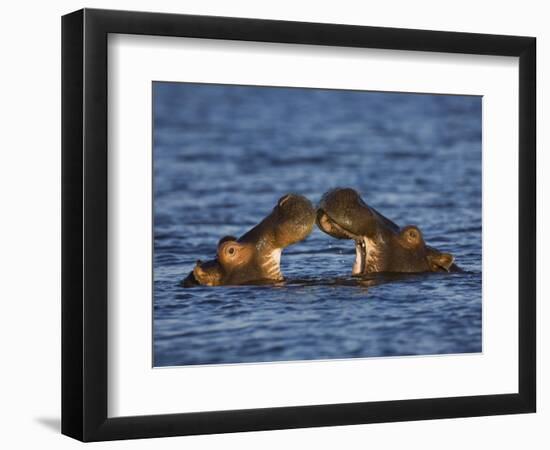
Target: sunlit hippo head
x=255 y=256
x=380 y=245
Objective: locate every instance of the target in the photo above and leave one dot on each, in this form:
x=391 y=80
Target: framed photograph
x=273 y=224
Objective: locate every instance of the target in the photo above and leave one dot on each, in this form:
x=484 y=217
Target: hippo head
x=255 y=256
x=380 y=244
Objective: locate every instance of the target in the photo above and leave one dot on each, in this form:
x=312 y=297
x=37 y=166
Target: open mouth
x=361 y=254
x=329 y=226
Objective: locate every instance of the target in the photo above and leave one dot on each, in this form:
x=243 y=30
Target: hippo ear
x=190 y=281
x=207 y=274
x=441 y=261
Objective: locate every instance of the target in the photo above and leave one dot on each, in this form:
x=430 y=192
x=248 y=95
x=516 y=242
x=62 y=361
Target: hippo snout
x=292 y=219
x=343 y=214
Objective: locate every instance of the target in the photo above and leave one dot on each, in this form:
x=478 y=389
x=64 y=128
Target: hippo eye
x=412 y=235
x=231 y=250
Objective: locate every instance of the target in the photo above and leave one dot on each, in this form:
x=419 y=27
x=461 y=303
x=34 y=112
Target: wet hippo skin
x=380 y=244
x=255 y=256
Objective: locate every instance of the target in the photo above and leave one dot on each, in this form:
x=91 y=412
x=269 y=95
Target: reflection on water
x=223 y=156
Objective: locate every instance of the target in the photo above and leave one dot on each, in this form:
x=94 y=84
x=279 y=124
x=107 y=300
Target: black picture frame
x=84 y=224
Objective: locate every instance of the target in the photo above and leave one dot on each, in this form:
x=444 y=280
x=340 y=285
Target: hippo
x=255 y=257
x=380 y=244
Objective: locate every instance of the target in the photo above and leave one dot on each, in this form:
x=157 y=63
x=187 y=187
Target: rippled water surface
x=223 y=155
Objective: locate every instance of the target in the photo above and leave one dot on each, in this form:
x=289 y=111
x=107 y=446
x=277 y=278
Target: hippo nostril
x=283 y=199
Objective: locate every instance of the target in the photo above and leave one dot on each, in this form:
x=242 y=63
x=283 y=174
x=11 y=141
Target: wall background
x=30 y=225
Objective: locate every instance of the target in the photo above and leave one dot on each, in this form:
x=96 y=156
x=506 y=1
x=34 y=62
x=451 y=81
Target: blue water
x=223 y=155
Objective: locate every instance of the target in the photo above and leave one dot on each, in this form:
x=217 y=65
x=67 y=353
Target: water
x=223 y=155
